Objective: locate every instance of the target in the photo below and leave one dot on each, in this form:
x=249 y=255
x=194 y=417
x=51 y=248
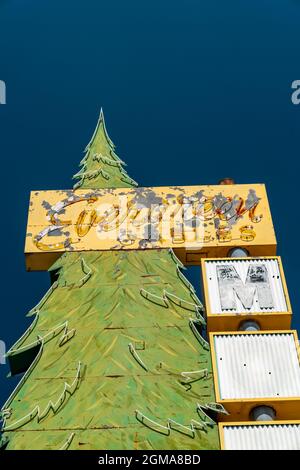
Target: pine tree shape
x=114 y=357
x=101 y=166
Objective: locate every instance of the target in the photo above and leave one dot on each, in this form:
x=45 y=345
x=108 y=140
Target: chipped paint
x=199 y=219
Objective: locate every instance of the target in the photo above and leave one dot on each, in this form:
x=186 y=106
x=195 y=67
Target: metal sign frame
x=231 y=321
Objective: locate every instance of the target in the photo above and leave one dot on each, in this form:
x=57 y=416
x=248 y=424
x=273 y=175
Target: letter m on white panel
x=257 y=281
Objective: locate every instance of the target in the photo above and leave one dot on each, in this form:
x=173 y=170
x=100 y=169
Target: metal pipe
x=263 y=413
x=238 y=252
x=249 y=325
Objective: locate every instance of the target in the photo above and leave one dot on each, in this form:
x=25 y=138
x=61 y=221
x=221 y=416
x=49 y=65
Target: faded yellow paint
x=231 y=321
x=196 y=221
x=239 y=409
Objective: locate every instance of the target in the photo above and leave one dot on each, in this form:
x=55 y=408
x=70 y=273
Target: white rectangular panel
x=245 y=286
x=262 y=437
x=257 y=365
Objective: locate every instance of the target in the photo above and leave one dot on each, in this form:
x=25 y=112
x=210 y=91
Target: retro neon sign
x=193 y=218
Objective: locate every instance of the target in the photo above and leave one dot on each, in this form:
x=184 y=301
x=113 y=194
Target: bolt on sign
x=196 y=221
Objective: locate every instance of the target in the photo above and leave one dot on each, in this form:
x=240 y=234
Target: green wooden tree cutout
x=101 y=166
x=115 y=357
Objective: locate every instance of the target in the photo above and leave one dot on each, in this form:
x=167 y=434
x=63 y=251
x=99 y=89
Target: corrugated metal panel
x=242 y=267
x=263 y=437
x=257 y=365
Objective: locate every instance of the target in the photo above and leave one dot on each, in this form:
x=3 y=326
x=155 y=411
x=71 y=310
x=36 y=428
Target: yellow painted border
x=240 y=407
x=221 y=426
x=282 y=319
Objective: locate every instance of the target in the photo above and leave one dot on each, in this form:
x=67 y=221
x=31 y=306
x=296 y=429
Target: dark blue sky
x=192 y=91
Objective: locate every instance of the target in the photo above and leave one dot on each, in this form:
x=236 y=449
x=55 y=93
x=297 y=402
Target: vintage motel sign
x=255 y=355
x=196 y=221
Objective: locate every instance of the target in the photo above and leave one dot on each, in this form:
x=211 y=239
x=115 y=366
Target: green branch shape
x=68 y=442
x=5 y=412
x=137 y=357
x=201 y=340
x=67 y=335
x=195 y=375
x=164 y=301
x=67 y=392
x=171 y=425
x=40 y=340
x=44 y=299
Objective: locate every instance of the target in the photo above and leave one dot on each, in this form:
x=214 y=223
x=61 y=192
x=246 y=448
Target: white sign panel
x=257 y=365
x=245 y=285
x=262 y=437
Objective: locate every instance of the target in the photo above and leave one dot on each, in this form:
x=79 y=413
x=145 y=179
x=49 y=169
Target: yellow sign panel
x=196 y=221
